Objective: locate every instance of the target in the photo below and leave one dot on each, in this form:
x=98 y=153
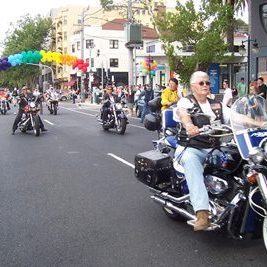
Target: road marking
x=88 y=114
x=49 y=122
x=121 y=160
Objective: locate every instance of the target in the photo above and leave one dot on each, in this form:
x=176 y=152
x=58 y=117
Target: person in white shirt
x=228 y=96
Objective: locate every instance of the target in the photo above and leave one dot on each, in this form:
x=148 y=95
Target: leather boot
x=202 y=221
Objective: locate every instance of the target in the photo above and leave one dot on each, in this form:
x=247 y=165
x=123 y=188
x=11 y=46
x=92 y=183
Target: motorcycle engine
x=215 y=185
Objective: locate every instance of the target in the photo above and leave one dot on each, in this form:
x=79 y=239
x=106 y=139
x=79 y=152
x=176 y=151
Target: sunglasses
x=204 y=82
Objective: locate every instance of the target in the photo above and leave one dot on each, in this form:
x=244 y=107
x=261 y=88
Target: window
x=89 y=43
x=114 y=63
x=65 y=36
x=65 y=50
x=65 y=21
x=73 y=48
x=262 y=67
x=151 y=49
x=113 y=44
x=92 y=63
x=78 y=45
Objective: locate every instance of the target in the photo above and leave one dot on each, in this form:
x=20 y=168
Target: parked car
x=65 y=95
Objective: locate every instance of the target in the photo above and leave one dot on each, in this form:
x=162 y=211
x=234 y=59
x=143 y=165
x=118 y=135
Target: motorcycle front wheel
x=36 y=126
x=121 y=127
x=264 y=232
x=55 y=110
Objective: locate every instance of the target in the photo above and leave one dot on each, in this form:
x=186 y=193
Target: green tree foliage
x=203 y=29
x=28 y=34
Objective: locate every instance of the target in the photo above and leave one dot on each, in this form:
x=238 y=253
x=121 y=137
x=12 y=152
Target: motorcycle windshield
x=248 y=117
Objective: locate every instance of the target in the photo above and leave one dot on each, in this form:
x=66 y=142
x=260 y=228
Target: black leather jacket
x=199 y=121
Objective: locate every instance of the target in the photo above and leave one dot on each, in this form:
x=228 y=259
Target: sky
x=12 y=10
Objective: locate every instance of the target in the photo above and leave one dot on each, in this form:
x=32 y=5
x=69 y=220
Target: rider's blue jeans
x=192 y=160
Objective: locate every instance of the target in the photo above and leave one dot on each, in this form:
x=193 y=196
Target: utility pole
x=130 y=20
x=82 y=52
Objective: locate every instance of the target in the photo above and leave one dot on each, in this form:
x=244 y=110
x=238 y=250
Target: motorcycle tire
x=121 y=127
x=36 y=126
x=55 y=110
x=105 y=128
x=173 y=214
x=264 y=232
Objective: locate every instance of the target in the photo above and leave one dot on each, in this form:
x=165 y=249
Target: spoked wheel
x=121 y=127
x=36 y=126
x=264 y=232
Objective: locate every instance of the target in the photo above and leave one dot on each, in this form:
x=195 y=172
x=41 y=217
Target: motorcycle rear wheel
x=264 y=232
x=173 y=214
x=121 y=127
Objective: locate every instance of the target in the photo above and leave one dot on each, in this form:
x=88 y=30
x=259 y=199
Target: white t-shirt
x=228 y=97
x=185 y=103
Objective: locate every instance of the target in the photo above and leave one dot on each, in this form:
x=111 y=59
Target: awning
x=70 y=83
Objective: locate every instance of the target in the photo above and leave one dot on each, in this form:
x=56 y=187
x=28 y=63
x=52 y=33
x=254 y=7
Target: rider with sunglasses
x=194 y=111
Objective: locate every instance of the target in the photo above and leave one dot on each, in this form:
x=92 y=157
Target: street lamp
x=242 y=50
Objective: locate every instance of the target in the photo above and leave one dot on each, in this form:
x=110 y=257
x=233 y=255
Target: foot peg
x=212 y=227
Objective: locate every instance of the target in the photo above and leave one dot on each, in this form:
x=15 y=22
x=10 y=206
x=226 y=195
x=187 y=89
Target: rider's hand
x=191 y=129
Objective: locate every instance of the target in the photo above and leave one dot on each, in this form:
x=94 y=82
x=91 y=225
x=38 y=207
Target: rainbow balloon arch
x=35 y=57
x=148 y=66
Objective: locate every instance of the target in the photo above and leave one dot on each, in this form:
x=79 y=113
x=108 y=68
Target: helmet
x=152 y=122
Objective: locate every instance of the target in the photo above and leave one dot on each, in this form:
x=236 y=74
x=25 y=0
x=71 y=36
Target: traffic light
x=98 y=52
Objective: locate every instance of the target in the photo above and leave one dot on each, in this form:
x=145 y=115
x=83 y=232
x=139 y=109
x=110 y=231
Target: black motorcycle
x=235 y=177
x=30 y=119
x=116 y=119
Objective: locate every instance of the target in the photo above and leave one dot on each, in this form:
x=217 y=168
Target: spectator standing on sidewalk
x=228 y=96
x=241 y=87
x=262 y=88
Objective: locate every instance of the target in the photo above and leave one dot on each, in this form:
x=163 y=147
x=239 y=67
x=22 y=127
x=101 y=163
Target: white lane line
x=88 y=114
x=49 y=122
x=121 y=160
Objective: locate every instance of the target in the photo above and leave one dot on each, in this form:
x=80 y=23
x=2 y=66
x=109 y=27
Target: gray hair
x=196 y=75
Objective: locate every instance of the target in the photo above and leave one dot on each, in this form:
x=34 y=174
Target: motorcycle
x=30 y=119
x=52 y=103
x=117 y=118
x=3 y=105
x=234 y=174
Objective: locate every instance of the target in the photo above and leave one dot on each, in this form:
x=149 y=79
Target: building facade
x=258 y=32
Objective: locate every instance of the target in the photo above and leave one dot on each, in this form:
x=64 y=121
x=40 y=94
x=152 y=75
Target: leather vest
x=199 y=120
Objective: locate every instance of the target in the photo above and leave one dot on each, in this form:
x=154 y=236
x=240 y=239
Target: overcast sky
x=12 y=10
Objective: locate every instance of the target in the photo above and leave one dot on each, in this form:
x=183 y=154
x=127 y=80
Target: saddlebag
x=153 y=168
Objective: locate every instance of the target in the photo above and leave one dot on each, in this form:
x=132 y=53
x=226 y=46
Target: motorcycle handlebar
x=209 y=130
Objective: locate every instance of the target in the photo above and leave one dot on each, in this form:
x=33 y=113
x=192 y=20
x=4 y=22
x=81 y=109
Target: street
x=70 y=198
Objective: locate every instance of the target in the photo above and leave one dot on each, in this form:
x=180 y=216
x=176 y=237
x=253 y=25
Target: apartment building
x=70 y=22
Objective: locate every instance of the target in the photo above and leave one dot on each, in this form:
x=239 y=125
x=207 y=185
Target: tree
x=233 y=7
x=28 y=34
x=203 y=29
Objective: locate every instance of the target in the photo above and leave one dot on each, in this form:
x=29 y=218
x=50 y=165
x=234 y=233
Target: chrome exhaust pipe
x=167 y=196
x=170 y=206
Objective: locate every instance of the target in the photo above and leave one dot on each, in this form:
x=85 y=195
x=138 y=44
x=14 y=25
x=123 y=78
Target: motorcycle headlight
x=119 y=106
x=32 y=105
x=257 y=155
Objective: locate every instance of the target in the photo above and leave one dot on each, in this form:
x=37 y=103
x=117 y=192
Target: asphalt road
x=70 y=198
